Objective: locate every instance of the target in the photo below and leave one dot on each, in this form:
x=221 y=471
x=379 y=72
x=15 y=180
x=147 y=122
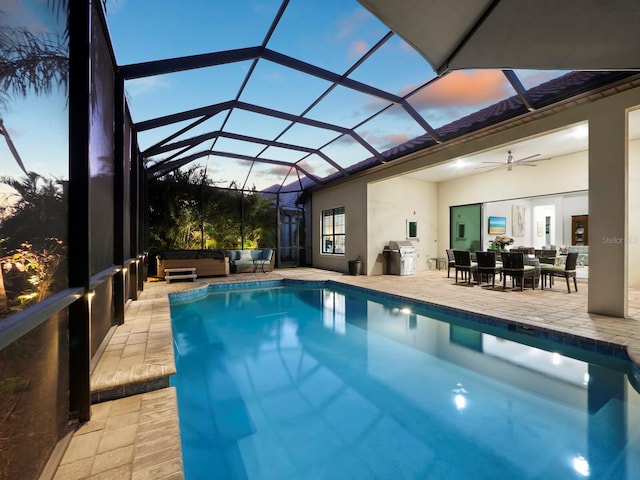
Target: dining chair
x=451 y=260
x=487 y=267
x=463 y=264
x=567 y=271
x=513 y=266
x=546 y=256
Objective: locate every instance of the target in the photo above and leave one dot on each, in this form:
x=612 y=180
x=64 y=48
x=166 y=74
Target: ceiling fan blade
x=490 y=168
x=490 y=165
x=520 y=160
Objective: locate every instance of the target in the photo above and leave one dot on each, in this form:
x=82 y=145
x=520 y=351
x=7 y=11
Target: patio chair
x=487 y=267
x=464 y=264
x=546 y=256
x=567 y=271
x=451 y=260
x=513 y=266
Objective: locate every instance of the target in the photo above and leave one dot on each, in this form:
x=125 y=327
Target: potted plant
x=500 y=242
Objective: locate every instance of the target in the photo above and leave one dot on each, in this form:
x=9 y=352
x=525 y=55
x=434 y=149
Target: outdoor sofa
x=206 y=262
x=251 y=260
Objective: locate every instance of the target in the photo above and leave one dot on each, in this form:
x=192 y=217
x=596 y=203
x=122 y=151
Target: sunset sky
x=332 y=34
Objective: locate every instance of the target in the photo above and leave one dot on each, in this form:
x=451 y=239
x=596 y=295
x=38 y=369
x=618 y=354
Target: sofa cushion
x=245 y=255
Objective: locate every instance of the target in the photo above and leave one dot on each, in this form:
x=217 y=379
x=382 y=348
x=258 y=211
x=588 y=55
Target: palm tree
x=36 y=214
x=31 y=63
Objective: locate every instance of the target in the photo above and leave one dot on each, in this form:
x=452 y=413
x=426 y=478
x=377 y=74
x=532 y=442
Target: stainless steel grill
x=401 y=257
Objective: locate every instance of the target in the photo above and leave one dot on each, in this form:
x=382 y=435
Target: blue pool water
x=302 y=383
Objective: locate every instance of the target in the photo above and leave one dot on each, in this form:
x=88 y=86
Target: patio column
x=608 y=166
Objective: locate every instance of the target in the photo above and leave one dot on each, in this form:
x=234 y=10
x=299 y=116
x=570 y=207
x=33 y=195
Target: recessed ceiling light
x=581 y=131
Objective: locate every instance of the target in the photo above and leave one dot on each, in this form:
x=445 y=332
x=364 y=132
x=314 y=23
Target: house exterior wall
x=352 y=196
x=633 y=254
x=391 y=203
x=605 y=171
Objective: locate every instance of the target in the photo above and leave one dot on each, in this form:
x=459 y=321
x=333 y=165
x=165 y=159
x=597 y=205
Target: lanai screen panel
x=34 y=161
x=322 y=75
x=34 y=154
x=101 y=151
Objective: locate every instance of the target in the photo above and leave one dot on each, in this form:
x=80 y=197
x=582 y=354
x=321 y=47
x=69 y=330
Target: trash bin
x=355 y=266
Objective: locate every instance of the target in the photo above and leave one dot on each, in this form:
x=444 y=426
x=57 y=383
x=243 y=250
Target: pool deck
x=134 y=433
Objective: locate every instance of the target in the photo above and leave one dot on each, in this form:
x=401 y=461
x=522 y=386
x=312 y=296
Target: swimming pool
x=308 y=382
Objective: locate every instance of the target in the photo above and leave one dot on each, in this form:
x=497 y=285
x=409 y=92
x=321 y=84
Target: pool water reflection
x=299 y=382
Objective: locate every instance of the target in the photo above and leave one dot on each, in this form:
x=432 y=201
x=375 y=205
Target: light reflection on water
x=315 y=383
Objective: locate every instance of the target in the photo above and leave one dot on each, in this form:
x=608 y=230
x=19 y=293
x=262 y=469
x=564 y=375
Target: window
x=333 y=231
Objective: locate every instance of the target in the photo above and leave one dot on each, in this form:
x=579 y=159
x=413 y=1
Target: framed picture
x=497 y=225
x=518 y=213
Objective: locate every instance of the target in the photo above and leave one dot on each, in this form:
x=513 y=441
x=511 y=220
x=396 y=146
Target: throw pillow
x=245 y=255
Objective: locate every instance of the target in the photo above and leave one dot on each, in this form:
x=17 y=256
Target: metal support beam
x=182 y=116
x=119 y=294
x=166 y=168
x=194 y=141
x=78 y=219
x=191 y=62
x=519 y=88
x=313 y=123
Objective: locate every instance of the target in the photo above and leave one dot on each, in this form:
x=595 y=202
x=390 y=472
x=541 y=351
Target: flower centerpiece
x=500 y=242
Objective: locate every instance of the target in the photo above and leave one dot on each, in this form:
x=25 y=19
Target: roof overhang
x=540 y=34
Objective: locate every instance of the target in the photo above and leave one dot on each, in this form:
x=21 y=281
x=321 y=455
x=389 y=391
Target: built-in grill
x=401 y=257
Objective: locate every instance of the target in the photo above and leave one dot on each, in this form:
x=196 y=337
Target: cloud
x=358 y=48
x=462 y=89
x=13 y=132
x=279 y=170
x=15 y=14
x=385 y=140
x=348 y=25
x=531 y=78
x=142 y=86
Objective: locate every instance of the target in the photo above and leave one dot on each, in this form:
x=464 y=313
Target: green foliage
x=187 y=211
x=39 y=266
x=31 y=245
x=38 y=212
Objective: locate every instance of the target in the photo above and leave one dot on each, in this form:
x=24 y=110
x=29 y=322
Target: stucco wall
x=390 y=204
x=352 y=197
x=559 y=175
x=634 y=214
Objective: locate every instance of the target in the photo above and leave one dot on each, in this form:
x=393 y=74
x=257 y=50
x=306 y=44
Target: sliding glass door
x=465 y=227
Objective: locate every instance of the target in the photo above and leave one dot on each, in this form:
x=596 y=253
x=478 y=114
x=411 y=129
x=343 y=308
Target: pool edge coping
x=611 y=349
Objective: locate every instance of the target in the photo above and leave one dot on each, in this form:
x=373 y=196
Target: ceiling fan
x=511 y=162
